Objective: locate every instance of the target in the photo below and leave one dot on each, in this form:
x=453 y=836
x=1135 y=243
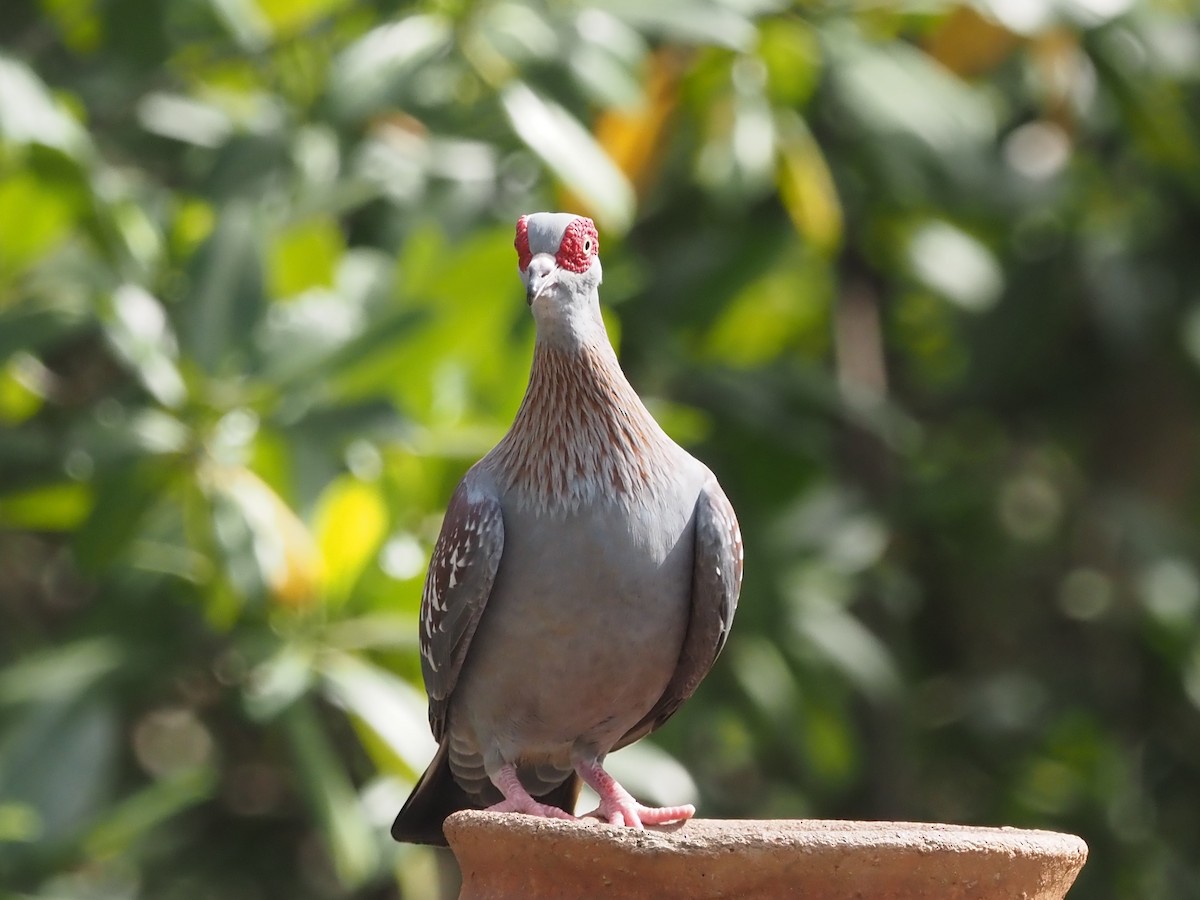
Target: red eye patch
x=522 y=243
x=579 y=246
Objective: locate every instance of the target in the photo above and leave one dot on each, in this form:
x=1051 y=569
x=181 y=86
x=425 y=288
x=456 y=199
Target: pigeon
x=584 y=581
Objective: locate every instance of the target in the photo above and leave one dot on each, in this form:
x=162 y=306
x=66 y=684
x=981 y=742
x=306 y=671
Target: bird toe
x=635 y=815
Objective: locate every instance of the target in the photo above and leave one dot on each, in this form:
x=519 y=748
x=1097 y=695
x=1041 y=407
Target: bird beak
x=541 y=275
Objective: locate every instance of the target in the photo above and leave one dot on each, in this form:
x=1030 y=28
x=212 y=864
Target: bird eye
x=579 y=246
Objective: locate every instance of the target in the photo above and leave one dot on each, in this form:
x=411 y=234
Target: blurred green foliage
x=918 y=280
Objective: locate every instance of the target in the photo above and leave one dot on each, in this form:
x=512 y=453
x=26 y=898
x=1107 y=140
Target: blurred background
x=918 y=280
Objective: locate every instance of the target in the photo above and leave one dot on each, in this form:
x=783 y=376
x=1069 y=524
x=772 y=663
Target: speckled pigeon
x=584 y=581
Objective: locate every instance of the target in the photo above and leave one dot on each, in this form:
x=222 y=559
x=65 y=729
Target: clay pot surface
x=506 y=856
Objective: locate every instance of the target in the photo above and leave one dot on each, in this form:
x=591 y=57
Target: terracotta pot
x=514 y=856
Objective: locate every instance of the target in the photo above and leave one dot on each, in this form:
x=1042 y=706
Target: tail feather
x=437 y=796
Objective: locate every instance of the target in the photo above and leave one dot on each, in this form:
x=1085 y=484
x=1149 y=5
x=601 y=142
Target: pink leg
x=517 y=799
x=617 y=806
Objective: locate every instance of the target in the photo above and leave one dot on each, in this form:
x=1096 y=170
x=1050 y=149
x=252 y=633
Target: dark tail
x=437 y=795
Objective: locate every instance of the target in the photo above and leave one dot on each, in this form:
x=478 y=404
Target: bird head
x=558 y=255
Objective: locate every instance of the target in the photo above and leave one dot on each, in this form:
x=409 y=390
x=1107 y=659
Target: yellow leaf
x=806 y=187
x=969 y=44
x=351 y=522
x=286 y=554
x=633 y=139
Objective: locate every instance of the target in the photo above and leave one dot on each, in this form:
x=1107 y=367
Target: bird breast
x=582 y=437
x=604 y=595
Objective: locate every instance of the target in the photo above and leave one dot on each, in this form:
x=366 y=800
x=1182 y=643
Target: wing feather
x=457 y=587
x=716 y=584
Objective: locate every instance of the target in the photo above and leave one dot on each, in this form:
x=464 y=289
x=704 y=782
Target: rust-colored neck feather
x=581 y=434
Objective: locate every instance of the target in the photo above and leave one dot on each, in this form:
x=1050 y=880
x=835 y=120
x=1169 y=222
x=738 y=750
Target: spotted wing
x=457 y=587
x=716 y=583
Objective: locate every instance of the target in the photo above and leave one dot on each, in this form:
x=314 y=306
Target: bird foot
x=617 y=806
x=517 y=799
x=634 y=815
x=532 y=808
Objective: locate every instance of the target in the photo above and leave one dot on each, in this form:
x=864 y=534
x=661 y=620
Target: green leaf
x=956 y=265
x=59 y=758
x=19 y=823
x=308 y=342
x=376 y=631
x=245 y=22
x=234 y=539
x=830 y=745
x=139 y=816
x=125 y=494
x=348 y=837
x=59 y=674
x=609 y=77
x=304 y=256
x=514 y=32
x=279 y=682
x=572 y=154
x=896 y=88
x=468 y=294
x=183 y=118
x=26 y=453
x=688 y=21
x=304 y=339
x=287 y=17
x=861 y=657
x=370 y=71
x=226 y=297
x=56 y=507
x=138 y=330
x=78 y=23
x=40 y=322
x=1156 y=110
x=30 y=115
x=115 y=437
x=22 y=388
x=265 y=548
x=791 y=51
x=36 y=216
x=378 y=344
x=765 y=676
x=772 y=316
x=393 y=710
